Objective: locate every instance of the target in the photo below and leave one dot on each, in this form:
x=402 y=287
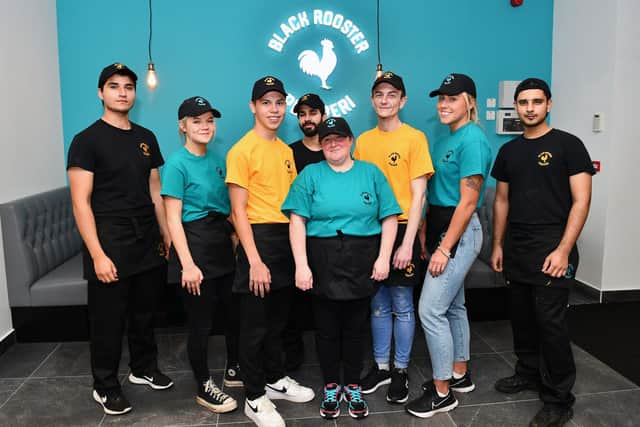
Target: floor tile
x=52 y=402
x=7 y=387
x=23 y=358
x=618 y=409
x=400 y=419
x=504 y=414
x=594 y=376
x=497 y=334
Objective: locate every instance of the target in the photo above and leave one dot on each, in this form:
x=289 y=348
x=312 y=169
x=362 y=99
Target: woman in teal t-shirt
x=343 y=224
x=197 y=206
x=454 y=237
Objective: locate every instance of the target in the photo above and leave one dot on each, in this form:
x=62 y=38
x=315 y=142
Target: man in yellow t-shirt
x=402 y=153
x=260 y=170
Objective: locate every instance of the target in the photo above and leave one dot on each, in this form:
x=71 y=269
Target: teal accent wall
x=218 y=49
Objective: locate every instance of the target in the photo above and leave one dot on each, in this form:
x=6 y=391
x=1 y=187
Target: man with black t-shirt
x=311 y=112
x=115 y=191
x=543 y=193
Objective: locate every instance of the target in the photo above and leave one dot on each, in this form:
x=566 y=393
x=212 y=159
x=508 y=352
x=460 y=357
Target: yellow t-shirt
x=266 y=170
x=402 y=155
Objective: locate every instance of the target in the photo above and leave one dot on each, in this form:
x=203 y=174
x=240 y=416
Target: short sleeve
x=388 y=205
x=173 y=181
x=499 y=171
x=156 y=156
x=474 y=158
x=237 y=167
x=356 y=151
x=420 y=161
x=298 y=200
x=578 y=159
x=81 y=154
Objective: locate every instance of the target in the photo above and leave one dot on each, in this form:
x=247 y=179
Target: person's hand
x=556 y=263
x=380 y=269
x=105 y=269
x=422 y=238
x=259 y=279
x=304 y=278
x=437 y=263
x=496 y=259
x=403 y=256
x=191 y=279
x=166 y=241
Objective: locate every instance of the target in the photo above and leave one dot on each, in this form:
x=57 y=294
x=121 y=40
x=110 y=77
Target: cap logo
x=387 y=75
x=118 y=65
x=269 y=81
x=331 y=123
x=304 y=97
x=201 y=102
x=448 y=79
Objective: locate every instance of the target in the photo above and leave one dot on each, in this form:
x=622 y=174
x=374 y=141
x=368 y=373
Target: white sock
x=383 y=366
x=457 y=376
x=440 y=394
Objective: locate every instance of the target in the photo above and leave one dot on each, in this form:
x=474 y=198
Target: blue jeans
x=441 y=308
x=387 y=303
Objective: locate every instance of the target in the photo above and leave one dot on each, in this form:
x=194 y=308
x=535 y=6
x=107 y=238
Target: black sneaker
x=233 y=375
x=430 y=403
x=399 y=389
x=515 y=384
x=374 y=379
x=113 y=402
x=462 y=385
x=552 y=416
x=214 y=399
x=358 y=407
x=156 y=380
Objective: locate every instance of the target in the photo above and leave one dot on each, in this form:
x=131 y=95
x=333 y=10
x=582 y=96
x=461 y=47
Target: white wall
x=595 y=57
x=31 y=144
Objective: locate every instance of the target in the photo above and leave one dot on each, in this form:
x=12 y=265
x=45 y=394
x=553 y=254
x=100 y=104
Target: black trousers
x=200 y=311
x=541 y=339
x=299 y=316
x=262 y=321
x=341 y=331
x=111 y=306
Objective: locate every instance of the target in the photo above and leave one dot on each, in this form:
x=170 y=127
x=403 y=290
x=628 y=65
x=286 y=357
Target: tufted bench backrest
x=39 y=233
x=485 y=214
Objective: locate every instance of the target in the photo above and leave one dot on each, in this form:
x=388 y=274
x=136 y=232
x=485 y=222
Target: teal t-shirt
x=352 y=202
x=198 y=181
x=463 y=153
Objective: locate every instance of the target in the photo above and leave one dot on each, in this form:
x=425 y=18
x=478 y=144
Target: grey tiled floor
x=49 y=384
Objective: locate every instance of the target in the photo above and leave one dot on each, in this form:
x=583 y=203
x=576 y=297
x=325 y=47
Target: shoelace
x=212 y=390
x=331 y=394
x=355 y=393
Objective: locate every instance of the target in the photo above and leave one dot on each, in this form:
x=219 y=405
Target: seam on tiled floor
x=29 y=376
x=494 y=350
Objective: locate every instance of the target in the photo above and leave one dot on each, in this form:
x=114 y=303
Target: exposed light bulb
x=379 y=71
x=152 y=78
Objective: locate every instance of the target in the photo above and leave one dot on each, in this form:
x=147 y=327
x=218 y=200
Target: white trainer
x=263 y=412
x=288 y=389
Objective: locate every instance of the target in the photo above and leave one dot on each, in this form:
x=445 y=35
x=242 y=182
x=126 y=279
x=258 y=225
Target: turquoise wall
x=218 y=49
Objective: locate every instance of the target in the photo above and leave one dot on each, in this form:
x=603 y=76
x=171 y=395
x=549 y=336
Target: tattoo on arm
x=474 y=182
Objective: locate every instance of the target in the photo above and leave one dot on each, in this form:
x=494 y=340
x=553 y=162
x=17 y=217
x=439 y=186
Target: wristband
x=444 y=252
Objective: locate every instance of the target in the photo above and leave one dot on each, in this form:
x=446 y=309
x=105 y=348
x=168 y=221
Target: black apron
x=411 y=275
x=438 y=220
x=211 y=248
x=272 y=242
x=132 y=242
x=526 y=247
x=342 y=266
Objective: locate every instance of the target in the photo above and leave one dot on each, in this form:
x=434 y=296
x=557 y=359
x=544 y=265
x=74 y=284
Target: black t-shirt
x=121 y=161
x=537 y=171
x=303 y=156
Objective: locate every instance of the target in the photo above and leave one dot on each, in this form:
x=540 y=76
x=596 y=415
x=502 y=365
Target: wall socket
x=490 y=115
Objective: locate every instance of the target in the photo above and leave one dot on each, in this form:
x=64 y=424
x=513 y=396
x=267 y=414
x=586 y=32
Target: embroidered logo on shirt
x=220 y=171
x=367 y=199
x=446 y=156
x=410 y=270
x=544 y=158
x=287 y=163
x=144 y=147
x=570 y=271
x=393 y=158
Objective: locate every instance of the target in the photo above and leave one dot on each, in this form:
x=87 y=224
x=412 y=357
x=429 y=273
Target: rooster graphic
x=312 y=65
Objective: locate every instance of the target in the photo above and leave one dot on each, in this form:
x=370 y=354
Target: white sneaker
x=263 y=412
x=288 y=389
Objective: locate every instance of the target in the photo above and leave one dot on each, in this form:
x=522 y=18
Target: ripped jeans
x=392 y=313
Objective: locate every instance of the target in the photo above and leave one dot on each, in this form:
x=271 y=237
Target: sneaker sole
x=142 y=381
x=377 y=386
x=106 y=410
x=515 y=390
x=228 y=406
x=360 y=415
x=276 y=395
x=433 y=412
x=466 y=389
x=233 y=383
x=398 y=401
x=253 y=416
x=330 y=416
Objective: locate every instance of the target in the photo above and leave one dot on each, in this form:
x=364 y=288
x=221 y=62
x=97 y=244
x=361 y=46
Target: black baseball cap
x=194 y=106
x=115 y=68
x=267 y=84
x=391 y=78
x=532 y=83
x=310 y=99
x=454 y=84
x=334 y=126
